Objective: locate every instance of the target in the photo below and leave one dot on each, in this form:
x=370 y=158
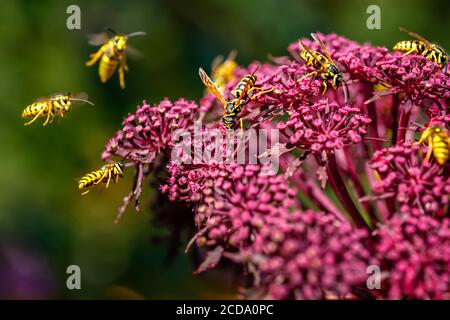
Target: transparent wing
x=216 y=62
x=322 y=46
x=41 y=99
x=232 y=55
x=98 y=39
x=311 y=52
x=211 y=86
x=134 y=53
x=415 y=35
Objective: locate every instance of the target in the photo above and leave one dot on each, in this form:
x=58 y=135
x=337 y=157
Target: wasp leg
x=109 y=178
x=409 y=52
x=241 y=121
x=262 y=92
x=49 y=116
x=430 y=149
x=121 y=77
x=85 y=192
x=35 y=117
x=123 y=66
x=93 y=58
x=105 y=173
x=307 y=75
x=325 y=86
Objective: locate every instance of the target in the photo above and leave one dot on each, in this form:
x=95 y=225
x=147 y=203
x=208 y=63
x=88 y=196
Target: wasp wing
x=322 y=46
x=311 y=52
x=134 y=53
x=98 y=39
x=415 y=35
x=216 y=62
x=212 y=88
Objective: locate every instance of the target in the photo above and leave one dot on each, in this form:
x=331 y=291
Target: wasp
x=222 y=72
x=423 y=47
x=110 y=171
x=231 y=107
x=325 y=67
x=438 y=141
x=51 y=107
x=112 y=54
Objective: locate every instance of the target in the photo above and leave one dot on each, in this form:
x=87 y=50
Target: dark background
x=45 y=225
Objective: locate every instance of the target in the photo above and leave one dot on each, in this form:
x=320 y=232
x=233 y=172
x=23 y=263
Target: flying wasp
x=112 y=53
x=222 y=72
x=325 y=67
x=438 y=141
x=423 y=47
x=109 y=172
x=50 y=107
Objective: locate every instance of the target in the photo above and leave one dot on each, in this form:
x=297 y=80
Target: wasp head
x=120 y=42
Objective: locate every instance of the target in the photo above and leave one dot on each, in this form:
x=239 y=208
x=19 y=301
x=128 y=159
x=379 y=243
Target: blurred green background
x=45 y=225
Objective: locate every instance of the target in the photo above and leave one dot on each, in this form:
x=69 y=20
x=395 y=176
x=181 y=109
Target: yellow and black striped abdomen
x=244 y=85
x=90 y=179
x=33 y=109
x=410 y=46
x=107 y=67
x=441 y=147
x=313 y=58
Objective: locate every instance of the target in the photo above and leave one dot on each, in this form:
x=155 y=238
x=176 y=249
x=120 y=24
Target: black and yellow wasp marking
x=231 y=107
x=110 y=171
x=247 y=85
x=324 y=65
x=438 y=141
x=423 y=47
x=112 y=53
x=50 y=107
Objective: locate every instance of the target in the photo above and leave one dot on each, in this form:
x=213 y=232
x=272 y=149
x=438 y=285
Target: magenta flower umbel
x=354 y=189
x=417 y=250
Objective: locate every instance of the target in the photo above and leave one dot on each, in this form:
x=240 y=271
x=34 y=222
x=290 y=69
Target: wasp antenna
x=137 y=33
x=125 y=157
x=346 y=91
x=257 y=68
x=84 y=100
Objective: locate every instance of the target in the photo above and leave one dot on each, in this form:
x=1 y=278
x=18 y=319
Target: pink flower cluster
x=295 y=237
x=417 y=250
x=310 y=255
x=417 y=185
x=325 y=126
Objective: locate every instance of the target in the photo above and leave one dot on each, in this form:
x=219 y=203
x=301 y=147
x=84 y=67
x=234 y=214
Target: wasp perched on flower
x=423 y=47
x=325 y=67
x=234 y=106
x=110 y=171
x=438 y=141
x=222 y=72
x=231 y=107
x=112 y=53
x=51 y=107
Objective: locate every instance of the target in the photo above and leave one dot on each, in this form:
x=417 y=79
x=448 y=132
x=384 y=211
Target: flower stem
x=339 y=187
x=403 y=123
x=310 y=189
